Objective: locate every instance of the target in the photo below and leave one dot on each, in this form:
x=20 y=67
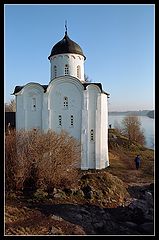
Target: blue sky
x=117 y=40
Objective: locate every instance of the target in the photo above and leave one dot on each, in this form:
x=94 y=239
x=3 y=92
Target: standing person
x=137 y=161
x=9 y=128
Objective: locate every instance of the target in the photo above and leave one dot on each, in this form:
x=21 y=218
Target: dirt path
x=123 y=166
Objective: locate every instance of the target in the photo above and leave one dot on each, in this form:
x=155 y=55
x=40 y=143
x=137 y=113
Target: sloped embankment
x=116 y=200
x=82 y=212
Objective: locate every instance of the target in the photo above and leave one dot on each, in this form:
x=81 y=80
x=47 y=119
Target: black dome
x=66 y=45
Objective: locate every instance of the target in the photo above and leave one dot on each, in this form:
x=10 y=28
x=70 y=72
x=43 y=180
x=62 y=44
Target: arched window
x=92 y=135
x=78 y=71
x=72 y=121
x=66 y=69
x=33 y=104
x=65 y=102
x=60 y=120
x=55 y=71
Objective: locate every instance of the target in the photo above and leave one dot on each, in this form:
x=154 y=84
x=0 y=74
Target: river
x=147 y=125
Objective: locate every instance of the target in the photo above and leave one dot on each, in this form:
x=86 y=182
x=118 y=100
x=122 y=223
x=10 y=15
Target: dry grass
x=45 y=160
x=122 y=165
x=52 y=155
x=122 y=155
x=21 y=220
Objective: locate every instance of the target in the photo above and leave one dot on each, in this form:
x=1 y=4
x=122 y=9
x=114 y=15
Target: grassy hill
x=106 y=188
x=121 y=157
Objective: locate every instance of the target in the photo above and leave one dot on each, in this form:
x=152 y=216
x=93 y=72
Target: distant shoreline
x=148 y=113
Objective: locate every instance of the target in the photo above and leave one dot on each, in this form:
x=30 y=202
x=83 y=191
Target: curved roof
x=66 y=45
x=85 y=84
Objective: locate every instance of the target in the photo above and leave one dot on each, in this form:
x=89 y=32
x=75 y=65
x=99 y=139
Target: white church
x=68 y=103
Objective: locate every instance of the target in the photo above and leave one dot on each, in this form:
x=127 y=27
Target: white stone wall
x=70 y=115
x=45 y=113
x=20 y=113
x=94 y=151
x=102 y=158
x=72 y=60
x=93 y=91
x=84 y=111
x=29 y=107
x=84 y=132
x=104 y=131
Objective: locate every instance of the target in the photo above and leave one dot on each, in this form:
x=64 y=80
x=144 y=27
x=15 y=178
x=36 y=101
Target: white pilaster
x=45 y=113
x=98 y=134
x=104 y=133
x=84 y=132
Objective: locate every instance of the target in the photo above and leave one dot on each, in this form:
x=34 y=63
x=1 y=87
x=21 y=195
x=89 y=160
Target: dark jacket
x=137 y=159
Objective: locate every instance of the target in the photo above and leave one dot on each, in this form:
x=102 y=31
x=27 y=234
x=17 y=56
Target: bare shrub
x=60 y=162
x=10 y=106
x=10 y=161
x=47 y=159
x=132 y=129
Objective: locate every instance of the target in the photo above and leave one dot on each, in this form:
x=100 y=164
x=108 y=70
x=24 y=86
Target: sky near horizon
x=117 y=40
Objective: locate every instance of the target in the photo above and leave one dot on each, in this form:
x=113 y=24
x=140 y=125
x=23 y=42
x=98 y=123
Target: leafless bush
x=10 y=106
x=60 y=160
x=132 y=129
x=49 y=159
x=10 y=161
